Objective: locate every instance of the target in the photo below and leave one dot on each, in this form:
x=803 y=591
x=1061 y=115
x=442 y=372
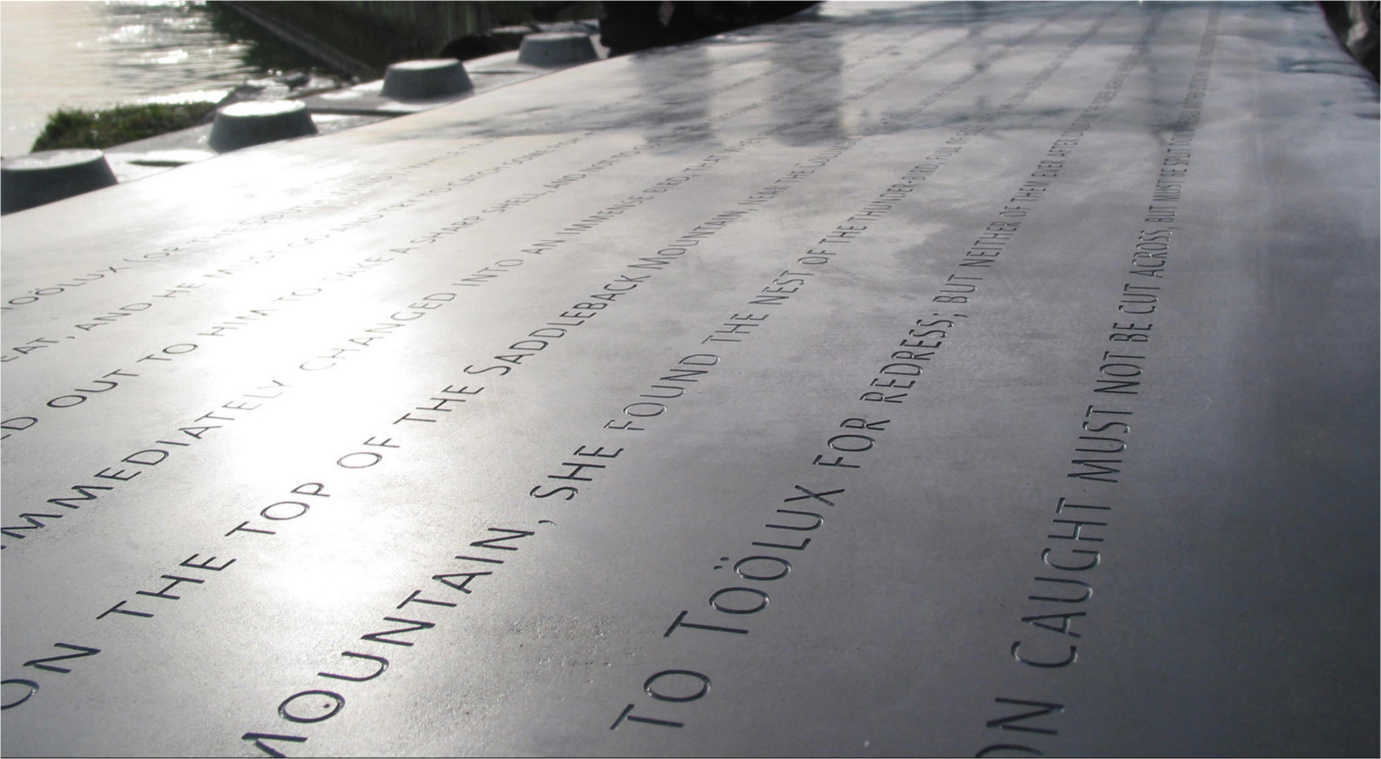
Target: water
x=98 y=54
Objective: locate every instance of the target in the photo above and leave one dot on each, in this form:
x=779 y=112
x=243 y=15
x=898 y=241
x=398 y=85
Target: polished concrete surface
x=948 y=379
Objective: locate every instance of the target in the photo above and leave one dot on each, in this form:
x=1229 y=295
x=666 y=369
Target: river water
x=97 y=54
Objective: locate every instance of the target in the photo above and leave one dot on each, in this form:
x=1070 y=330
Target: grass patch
x=79 y=128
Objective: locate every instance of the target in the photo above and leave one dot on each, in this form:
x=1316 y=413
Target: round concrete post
x=556 y=49
x=50 y=175
x=426 y=78
x=251 y=123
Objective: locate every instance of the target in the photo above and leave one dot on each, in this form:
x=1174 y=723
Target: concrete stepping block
x=557 y=49
x=255 y=122
x=426 y=78
x=49 y=175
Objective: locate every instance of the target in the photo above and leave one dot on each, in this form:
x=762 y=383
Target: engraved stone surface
x=947 y=379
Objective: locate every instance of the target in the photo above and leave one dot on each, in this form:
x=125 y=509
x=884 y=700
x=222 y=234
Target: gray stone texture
x=1031 y=348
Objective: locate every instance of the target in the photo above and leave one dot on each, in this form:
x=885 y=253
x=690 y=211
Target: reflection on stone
x=904 y=380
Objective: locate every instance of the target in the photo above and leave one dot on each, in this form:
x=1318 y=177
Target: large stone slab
x=898 y=380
